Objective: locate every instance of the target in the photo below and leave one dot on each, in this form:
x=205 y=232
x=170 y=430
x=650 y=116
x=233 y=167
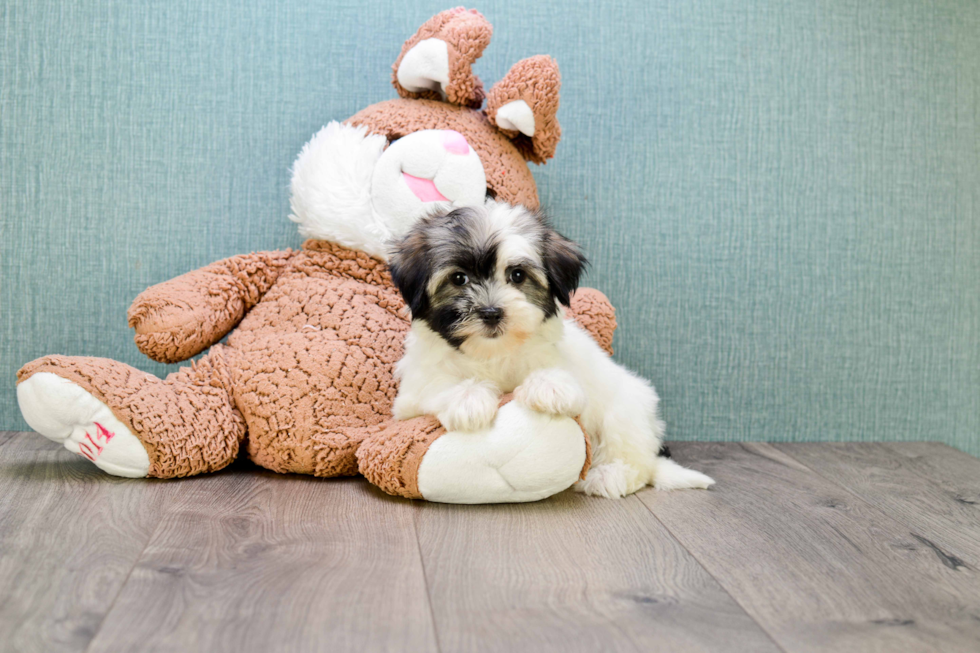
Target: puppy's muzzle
x=491 y=315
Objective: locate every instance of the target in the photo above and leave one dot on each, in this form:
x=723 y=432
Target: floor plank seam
x=612 y=623
x=943 y=553
x=915 y=470
x=713 y=577
x=425 y=578
x=125 y=582
x=6 y=436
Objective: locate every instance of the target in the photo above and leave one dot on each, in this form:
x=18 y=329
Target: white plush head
x=352 y=188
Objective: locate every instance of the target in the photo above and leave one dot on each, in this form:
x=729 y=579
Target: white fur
x=331 y=188
x=553 y=366
x=468 y=406
x=554 y=391
x=347 y=187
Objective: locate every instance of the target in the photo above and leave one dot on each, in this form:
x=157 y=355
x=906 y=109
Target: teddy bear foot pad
x=524 y=456
x=65 y=413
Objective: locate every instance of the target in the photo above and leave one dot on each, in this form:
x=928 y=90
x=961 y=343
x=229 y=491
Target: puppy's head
x=485 y=277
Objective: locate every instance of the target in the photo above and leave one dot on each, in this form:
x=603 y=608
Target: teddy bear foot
x=523 y=456
x=65 y=413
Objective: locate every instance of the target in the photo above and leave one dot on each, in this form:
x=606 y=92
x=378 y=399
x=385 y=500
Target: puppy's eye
x=459 y=279
x=517 y=276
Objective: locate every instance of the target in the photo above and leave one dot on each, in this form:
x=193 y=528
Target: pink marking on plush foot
x=86 y=451
x=98 y=447
x=103 y=433
x=455 y=143
x=424 y=189
x=93 y=449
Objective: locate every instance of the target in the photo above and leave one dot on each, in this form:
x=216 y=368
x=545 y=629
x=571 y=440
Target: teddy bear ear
x=523 y=106
x=436 y=63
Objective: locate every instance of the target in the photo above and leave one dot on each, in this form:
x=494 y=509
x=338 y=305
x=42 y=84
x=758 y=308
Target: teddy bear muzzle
x=419 y=171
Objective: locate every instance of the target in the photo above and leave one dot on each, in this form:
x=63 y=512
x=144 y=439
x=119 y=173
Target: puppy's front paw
x=470 y=406
x=552 y=391
x=405 y=408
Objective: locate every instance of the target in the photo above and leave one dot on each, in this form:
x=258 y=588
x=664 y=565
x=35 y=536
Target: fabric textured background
x=781 y=197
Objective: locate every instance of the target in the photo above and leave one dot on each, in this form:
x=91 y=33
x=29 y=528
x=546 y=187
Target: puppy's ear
x=563 y=264
x=411 y=270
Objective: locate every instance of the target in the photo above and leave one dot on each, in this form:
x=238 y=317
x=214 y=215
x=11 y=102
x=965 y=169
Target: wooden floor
x=799 y=547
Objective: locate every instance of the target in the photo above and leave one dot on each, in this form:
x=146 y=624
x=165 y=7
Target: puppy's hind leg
x=611 y=480
x=621 y=417
x=630 y=437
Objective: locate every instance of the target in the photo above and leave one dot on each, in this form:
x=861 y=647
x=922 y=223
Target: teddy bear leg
x=334 y=451
x=524 y=456
x=129 y=423
x=324 y=452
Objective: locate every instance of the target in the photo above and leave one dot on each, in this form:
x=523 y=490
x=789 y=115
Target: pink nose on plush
x=454 y=142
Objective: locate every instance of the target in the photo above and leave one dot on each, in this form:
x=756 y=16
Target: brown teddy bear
x=304 y=381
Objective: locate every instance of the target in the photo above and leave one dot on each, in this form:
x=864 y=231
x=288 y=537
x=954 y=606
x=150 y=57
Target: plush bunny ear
x=523 y=106
x=436 y=63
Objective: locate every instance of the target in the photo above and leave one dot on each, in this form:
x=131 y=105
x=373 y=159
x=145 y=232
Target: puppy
x=486 y=287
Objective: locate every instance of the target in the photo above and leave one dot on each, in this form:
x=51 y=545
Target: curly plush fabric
x=330 y=331
x=593 y=311
x=193 y=311
x=466 y=34
x=536 y=81
x=391 y=458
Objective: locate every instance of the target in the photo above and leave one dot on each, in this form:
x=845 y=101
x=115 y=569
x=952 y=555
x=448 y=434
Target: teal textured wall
x=782 y=197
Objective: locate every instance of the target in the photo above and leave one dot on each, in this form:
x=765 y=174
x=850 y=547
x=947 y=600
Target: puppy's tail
x=668 y=475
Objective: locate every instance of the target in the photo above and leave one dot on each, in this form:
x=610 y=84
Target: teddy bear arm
x=594 y=313
x=180 y=318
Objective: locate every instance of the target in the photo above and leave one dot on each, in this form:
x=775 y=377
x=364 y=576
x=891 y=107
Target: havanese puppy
x=486 y=286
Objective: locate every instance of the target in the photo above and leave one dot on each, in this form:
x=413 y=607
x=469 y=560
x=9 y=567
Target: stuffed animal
x=304 y=381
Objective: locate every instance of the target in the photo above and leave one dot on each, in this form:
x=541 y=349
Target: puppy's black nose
x=491 y=316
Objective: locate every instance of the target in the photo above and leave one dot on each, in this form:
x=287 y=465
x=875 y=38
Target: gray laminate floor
x=799 y=547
